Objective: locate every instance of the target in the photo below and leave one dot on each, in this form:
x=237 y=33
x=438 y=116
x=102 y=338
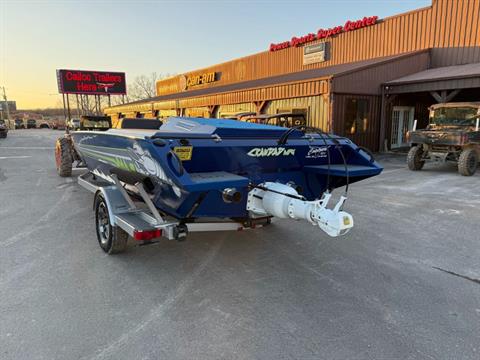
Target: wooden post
x=386 y=100
x=260 y=106
x=383 y=121
x=211 y=110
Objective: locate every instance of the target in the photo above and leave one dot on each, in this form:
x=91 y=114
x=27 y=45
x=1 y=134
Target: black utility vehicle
x=3 y=129
x=452 y=136
x=31 y=124
x=19 y=124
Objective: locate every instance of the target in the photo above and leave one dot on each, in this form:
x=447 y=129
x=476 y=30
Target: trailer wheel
x=111 y=239
x=414 y=158
x=467 y=162
x=63 y=157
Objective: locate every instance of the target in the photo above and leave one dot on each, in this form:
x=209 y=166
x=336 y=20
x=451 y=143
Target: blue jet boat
x=196 y=168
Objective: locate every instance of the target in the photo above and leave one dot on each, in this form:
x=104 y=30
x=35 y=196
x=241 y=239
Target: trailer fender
x=114 y=200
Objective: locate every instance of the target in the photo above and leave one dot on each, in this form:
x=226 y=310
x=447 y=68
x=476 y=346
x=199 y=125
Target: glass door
x=402 y=122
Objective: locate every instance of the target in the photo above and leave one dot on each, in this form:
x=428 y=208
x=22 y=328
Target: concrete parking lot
x=404 y=284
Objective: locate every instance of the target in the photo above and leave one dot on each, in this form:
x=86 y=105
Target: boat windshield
x=95 y=124
x=456 y=116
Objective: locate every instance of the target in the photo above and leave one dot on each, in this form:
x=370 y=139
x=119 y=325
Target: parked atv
x=452 y=136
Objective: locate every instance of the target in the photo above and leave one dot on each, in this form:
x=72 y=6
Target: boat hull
x=188 y=174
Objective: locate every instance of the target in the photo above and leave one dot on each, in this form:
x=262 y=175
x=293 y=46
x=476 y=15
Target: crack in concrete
x=477 y=281
x=3 y=177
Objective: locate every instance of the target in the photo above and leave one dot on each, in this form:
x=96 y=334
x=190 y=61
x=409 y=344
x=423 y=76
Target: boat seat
x=339 y=170
x=217 y=180
x=140 y=123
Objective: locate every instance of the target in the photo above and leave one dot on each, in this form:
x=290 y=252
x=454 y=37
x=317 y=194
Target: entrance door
x=402 y=122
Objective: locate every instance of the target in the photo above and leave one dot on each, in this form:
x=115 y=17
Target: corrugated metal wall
x=167 y=113
x=307 y=88
x=235 y=108
x=457 y=32
x=317 y=107
x=301 y=89
x=197 y=112
x=369 y=138
x=368 y=81
x=450 y=26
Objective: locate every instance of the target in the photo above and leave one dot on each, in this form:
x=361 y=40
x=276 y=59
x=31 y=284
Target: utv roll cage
x=282 y=119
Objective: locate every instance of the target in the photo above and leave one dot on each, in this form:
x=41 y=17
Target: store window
x=356 y=116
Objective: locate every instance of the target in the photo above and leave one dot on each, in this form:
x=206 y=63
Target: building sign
x=196 y=80
x=91 y=82
x=325 y=33
x=314 y=53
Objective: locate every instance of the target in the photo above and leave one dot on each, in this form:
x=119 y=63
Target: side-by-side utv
x=452 y=135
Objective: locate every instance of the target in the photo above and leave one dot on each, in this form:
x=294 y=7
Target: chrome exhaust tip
x=231 y=195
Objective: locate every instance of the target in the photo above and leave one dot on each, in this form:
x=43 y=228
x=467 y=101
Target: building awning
x=312 y=74
x=441 y=78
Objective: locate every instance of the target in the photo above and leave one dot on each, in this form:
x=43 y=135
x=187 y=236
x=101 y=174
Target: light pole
x=6 y=107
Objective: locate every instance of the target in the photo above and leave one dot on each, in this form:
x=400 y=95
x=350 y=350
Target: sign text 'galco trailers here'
x=91 y=82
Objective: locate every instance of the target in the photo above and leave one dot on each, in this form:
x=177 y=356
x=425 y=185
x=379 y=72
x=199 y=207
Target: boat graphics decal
x=145 y=163
x=271 y=151
x=316 y=152
x=133 y=158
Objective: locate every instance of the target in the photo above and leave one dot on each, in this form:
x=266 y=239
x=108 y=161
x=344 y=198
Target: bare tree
x=144 y=86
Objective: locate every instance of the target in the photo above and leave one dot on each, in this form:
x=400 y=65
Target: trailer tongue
x=192 y=170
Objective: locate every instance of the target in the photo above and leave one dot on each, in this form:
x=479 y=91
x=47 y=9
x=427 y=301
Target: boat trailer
x=116 y=210
x=118 y=215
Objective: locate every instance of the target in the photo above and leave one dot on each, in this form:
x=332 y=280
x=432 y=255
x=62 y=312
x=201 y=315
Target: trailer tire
x=111 y=239
x=467 y=162
x=63 y=157
x=414 y=158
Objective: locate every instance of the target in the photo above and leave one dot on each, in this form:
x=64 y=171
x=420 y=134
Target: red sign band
x=325 y=33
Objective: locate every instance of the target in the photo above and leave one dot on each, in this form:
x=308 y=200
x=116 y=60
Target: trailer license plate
x=184 y=152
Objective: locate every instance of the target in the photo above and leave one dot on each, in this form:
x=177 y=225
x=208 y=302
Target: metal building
x=366 y=79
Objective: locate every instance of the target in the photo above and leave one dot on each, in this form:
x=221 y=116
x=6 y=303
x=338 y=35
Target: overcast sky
x=139 y=37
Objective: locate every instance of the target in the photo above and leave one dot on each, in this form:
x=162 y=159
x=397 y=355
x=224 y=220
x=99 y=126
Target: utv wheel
x=63 y=157
x=467 y=162
x=111 y=239
x=414 y=158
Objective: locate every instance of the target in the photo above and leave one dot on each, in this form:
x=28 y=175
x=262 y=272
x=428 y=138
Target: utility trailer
x=119 y=215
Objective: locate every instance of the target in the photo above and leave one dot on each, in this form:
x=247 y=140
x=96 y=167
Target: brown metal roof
x=326 y=72
x=441 y=73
